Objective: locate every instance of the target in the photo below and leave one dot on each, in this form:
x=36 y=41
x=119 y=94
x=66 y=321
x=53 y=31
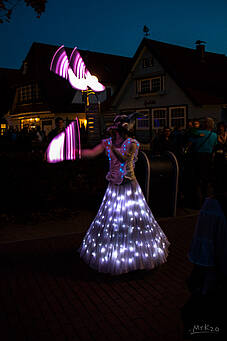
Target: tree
x=8 y=6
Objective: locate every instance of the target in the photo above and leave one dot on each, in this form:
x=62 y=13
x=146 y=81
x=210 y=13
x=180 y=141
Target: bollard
x=158 y=178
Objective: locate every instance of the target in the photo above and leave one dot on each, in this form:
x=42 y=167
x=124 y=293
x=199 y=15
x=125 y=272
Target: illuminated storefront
x=46 y=121
x=29 y=123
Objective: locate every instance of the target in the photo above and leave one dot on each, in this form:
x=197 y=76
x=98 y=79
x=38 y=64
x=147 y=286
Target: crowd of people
x=25 y=139
x=34 y=138
x=201 y=150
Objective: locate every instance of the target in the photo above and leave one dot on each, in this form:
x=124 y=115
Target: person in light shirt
x=202 y=149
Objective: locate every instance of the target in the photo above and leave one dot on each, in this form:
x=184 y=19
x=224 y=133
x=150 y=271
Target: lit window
x=159 y=118
x=83 y=122
x=143 y=121
x=3 y=128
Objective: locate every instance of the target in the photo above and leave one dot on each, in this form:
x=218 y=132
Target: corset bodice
x=118 y=170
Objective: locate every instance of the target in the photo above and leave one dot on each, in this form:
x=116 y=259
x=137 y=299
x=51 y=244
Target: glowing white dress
x=124 y=235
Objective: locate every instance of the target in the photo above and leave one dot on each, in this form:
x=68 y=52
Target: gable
x=202 y=81
x=148 y=85
x=143 y=69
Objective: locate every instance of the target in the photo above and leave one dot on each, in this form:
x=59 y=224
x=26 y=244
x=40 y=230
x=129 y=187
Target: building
x=39 y=96
x=169 y=84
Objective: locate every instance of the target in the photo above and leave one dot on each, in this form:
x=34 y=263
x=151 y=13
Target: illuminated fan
x=74 y=70
x=66 y=145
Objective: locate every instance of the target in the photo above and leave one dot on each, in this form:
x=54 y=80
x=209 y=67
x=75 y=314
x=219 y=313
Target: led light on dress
x=124 y=235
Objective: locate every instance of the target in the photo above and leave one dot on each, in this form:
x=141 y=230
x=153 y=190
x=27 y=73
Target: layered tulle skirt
x=124 y=236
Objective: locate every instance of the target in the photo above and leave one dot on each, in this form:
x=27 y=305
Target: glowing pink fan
x=60 y=63
x=66 y=145
x=74 y=70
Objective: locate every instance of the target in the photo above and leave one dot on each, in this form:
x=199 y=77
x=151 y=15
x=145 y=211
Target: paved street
x=48 y=293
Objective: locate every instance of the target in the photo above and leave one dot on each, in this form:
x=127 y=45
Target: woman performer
x=124 y=236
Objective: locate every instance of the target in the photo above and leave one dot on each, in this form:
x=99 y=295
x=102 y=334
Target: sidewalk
x=48 y=293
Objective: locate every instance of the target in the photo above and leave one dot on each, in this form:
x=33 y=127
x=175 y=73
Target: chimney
x=200 y=48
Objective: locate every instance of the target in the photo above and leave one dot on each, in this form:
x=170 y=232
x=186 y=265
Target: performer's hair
x=119 y=125
x=123 y=123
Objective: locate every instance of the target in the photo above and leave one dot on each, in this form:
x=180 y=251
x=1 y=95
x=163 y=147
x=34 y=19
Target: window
x=149 y=85
x=83 y=122
x=28 y=94
x=24 y=94
x=159 y=118
x=147 y=62
x=156 y=84
x=178 y=117
x=143 y=121
x=3 y=128
x=145 y=86
x=29 y=122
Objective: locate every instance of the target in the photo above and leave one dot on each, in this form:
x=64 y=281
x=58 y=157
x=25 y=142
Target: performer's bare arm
x=126 y=156
x=90 y=153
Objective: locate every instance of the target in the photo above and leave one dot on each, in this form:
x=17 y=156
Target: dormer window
x=147 y=62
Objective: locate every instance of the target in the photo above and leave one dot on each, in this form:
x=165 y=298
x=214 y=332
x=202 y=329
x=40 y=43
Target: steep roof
x=202 y=79
x=110 y=69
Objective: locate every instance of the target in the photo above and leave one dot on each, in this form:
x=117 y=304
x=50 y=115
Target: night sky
x=114 y=27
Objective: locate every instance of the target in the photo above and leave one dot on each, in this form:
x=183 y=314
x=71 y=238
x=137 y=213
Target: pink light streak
x=64 y=67
x=79 y=66
x=74 y=64
x=74 y=70
x=78 y=132
x=66 y=145
x=55 y=150
x=71 y=149
x=60 y=63
x=54 y=58
x=77 y=83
